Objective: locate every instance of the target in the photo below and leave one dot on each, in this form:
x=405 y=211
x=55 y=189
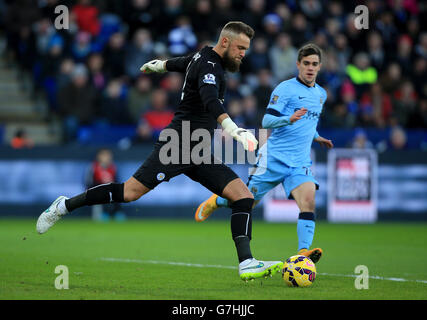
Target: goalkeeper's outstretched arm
x=178 y=64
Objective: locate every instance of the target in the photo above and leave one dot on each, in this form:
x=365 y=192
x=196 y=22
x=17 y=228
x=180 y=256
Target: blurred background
x=75 y=110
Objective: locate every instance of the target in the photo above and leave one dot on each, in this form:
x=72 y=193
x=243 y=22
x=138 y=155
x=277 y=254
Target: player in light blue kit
x=292 y=114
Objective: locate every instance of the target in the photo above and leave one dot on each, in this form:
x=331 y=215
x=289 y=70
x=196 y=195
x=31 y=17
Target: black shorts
x=213 y=176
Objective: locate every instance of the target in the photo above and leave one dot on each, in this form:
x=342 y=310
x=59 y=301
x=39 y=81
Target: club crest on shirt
x=274 y=99
x=209 y=78
x=254 y=190
x=160 y=176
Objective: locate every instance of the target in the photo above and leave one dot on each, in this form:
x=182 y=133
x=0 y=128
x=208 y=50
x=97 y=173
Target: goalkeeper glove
x=245 y=137
x=158 y=66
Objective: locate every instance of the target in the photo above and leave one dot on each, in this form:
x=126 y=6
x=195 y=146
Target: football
x=299 y=271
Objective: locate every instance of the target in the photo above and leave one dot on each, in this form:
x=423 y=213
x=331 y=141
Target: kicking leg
x=131 y=190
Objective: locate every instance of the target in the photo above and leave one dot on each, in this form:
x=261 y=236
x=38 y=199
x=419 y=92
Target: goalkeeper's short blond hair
x=233 y=28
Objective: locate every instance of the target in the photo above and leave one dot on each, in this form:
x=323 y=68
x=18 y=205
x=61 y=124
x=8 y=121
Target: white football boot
x=252 y=268
x=52 y=214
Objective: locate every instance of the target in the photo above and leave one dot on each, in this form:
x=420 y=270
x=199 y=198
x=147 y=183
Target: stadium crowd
x=89 y=73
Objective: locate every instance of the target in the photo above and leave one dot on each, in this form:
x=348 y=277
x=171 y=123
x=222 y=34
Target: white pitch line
x=199 y=265
x=184 y=264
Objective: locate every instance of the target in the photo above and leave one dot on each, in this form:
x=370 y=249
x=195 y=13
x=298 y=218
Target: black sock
x=102 y=194
x=241 y=227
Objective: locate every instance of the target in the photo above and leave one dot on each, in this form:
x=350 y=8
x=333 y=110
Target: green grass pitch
x=182 y=259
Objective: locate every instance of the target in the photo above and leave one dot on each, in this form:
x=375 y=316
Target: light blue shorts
x=266 y=175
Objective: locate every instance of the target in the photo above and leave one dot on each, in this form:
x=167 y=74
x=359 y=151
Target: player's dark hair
x=238 y=27
x=308 y=50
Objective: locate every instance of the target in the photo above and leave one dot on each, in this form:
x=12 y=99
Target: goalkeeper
x=201 y=107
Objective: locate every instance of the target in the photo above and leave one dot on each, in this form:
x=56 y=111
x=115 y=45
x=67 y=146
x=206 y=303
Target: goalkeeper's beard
x=229 y=63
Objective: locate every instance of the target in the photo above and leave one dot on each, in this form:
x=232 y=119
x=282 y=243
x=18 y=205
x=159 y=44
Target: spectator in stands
x=285 y=15
x=97 y=77
x=140 y=14
x=360 y=140
x=63 y=77
x=156 y=118
x=348 y=95
x=413 y=29
x=26 y=46
x=101 y=171
x=272 y=25
x=263 y=89
x=139 y=97
x=170 y=11
x=283 y=56
x=343 y=51
x=404 y=53
x=330 y=75
x=301 y=31
x=253 y=13
x=45 y=36
x=114 y=56
x=257 y=58
x=251 y=112
x=421 y=46
x=391 y=79
x=376 y=51
x=232 y=92
x=235 y=110
x=77 y=102
x=173 y=83
x=19 y=14
x=335 y=10
x=50 y=64
x=81 y=47
x=114 y=106
x=361 y=73
x=419 y=117
x=404 y=103
x=398 y=138
x=419 y=76
x=86 y=17
x=338 y=117
x=375 y=107
x=321 y=40
x=387 y=28
x=313 y=10
x=223 y=12
x=21 y=140
x=332 y=29
x=138 y=52
x=201 y=20
x=356 y=38
x=182 y=39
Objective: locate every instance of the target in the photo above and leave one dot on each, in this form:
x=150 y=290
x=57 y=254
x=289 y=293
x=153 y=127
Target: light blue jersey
x=285 y=158
x=291 y=143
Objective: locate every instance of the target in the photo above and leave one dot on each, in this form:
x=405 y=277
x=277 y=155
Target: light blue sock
x=305 y=229
x=221 y=202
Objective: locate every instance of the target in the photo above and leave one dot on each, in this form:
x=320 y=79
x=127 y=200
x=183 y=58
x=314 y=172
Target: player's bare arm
x=324 y=142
